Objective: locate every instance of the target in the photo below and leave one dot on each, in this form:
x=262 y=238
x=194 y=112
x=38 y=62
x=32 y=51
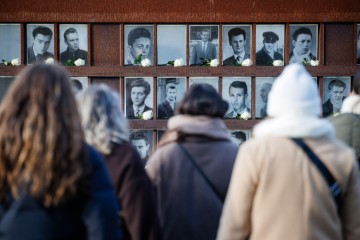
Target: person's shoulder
x=48 y=54
x=229 y=61
x=230 y=115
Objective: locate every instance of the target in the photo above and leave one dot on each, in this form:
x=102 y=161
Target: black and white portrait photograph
x=40 y=42
x=170 y=91
x=303 y=43
x=5 y=82
x=213 y=81
x=138 y=96
x=263 y=87
x=142 y=140
x=239 y=136
x=269 y=44
x=171 y=43
x=10 y=42
x=358 y=44
x=73 y=42
x=237 y=92
x=335 y=89
x=138 y=40
x=204 y=43
x=236 y=44
x=79 y=83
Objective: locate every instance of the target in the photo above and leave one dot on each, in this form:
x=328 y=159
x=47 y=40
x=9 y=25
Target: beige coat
x=277 y=193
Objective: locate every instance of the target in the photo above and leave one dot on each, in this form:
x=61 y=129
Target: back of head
x=294 y=93
x=41 y=142
x=202 y=99
x=102 y=120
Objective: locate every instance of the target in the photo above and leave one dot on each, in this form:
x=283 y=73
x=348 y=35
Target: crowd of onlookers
x=68 y=171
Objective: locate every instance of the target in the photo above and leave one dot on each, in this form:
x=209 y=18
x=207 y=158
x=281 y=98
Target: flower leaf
x=138 y=59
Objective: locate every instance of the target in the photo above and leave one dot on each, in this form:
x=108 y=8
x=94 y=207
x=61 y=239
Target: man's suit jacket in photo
x=64 y=56
x=231 y=61
x=32 y=59
x=197 y=53
x=165 y=110
x=130 y=111
x=264 y=59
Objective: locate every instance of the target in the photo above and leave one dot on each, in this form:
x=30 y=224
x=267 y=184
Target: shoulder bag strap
x=335 y=188
x=197 y=167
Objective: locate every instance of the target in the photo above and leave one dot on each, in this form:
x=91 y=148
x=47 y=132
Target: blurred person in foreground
x=192 y=166
x=276 y=191
x=52 y=185
x=106 y=129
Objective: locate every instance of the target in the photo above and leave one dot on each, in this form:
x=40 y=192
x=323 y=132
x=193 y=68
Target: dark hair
x=302 y=30
x=235 y=32
x=42 y=30
x=239 y=135
x=68 y=31
x=76 y=84
x=202 y=99
x=138 y=33
x=139 y=135
x=337 y=83
x=356 y=83
x=239 y=84
x=140 y=82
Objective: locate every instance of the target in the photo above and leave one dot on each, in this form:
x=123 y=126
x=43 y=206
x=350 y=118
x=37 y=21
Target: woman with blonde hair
x=52 y=185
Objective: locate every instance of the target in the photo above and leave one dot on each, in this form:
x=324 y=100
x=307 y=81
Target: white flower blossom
x=49 y=61
x=245 y=115
x=214 y=63
x=314 y=62
x=278 y=63
x=179 y=62
x=147 y=115
x=247 y=62
x=145 y=62
x=79 y=62
x=15 y=62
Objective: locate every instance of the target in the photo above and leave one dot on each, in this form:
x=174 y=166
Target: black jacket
x=264 y=59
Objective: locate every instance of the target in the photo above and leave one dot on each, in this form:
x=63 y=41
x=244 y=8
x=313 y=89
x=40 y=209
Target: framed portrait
x=170 y=91
x=5 y=82
x=269 y=44
x=204 y=43
x=79 y=83
x=73 y=43
x=335 y=89
x=263 y=87
x=39 y=42
x=303 y=43
x=236 y=44
x=138 y=39
x=10 y=42
x=237 y=92
x=142 y=140
x=171 y=43
x=213 y=81
x=358 y=44
x=239 y=136
x=138 y=96
x=159 y=135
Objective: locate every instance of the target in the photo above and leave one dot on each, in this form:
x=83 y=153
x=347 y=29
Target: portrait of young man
x=303 y=43
x=237 y=91
x=269 y=44
x=236 y=44
x=40 y=43
x=73 y=43
x=263 y=87
x=335 y=91
x=78 y=83
x=142 y=141
x=136 y=94
x=138 y=40
x=213 y=81
x=10 y=42
x=203 y=43
x=169 y=92
x=238 y=136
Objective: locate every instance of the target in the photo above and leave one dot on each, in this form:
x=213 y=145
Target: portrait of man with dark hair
x=41 y=41
x=269 y=44
x=138 y=41
x=237 y=40
x=238 y=94
x=138 y=90
x=302 y=43
x=336 y=92
x=166 y=109
x=202 y=48
x=142 y=141
x=71 y=41
x=238 y=137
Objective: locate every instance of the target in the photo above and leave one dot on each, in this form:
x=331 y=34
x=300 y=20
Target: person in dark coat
x=50 y=190
x=73 y=52
x=106 y=129
x=139 y=90
x=38 y=52
x=167 y=107
x=267 y=55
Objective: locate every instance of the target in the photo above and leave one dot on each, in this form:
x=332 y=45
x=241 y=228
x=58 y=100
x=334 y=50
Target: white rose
x=314 y=62
x=247 y=62
x=278 y=63
x=49 y=61
x=245 y=115
x=214 y=63
x=15 y=62
x=79 y=62
x=178 y=62
x=145 y=62
x=147 y=115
